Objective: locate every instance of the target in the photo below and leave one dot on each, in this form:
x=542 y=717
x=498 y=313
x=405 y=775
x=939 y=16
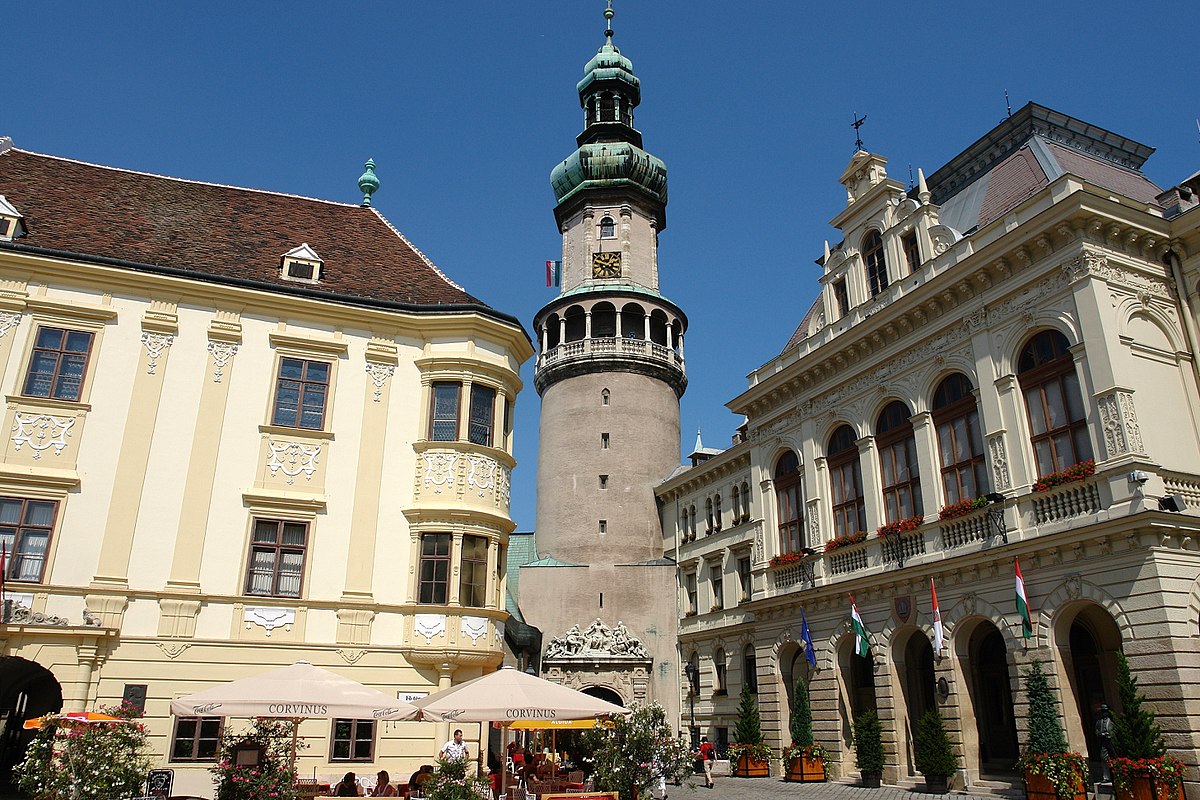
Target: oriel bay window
x=443 y=426
x=434 y=575
x=787 y=493
x=472 y=586
x=845 y=478
x=898 y=463
x=1057 y=425
x=352 y=740
x=277 y=549
x=483 y=405
x=25 y=527
x=956 y=417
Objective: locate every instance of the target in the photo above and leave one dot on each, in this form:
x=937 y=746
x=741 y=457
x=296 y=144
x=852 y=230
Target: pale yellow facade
x=162 y=467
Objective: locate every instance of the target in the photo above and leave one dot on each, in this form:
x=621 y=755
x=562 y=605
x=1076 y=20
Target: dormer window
x=608 y=228
x=302 y=265
x=876 y=264
x=10 y=220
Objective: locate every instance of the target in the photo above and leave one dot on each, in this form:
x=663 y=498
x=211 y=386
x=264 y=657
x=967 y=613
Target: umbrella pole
x=504 y=760
x=295 y=739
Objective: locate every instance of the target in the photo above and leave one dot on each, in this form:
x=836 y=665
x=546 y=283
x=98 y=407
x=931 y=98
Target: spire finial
x=608 y=15
x=922 y=188
x=858 y=123
x=367 y=182
x=699 y=441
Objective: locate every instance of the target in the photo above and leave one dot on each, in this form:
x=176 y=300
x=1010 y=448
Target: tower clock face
x=606 y=265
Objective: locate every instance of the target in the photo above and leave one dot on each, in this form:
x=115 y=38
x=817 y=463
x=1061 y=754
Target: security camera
x=1139 y=477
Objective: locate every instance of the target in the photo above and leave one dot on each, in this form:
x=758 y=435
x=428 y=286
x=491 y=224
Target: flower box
x=803 y=769
x=1054 y=776
x=1039 y=787
x=751 y=766
x=1147 y=778
x=784 y=559
x=903 y=526
x=1076 y=472
x=962 y=508
x=845 y=541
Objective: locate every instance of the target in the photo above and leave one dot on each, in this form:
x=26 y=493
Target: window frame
x=482 y=401
x=841 y=297
x=788 y=496
x=608 y=231
x=304 y=382
x=435 y=421
x=720 y=673
x=691 y=590
x=280 y=548
x=875 y=263
x=745 y=573
x=891 y=443
x=716 y=581
x=945 y=414
x=56 y=376
x=196 y=738
x=469 y=579
x=351 y=741
x=21 y=530
x=1059 y=370
x=845 y=463
x=750 y=669
x=433 y=559
x=912 y=251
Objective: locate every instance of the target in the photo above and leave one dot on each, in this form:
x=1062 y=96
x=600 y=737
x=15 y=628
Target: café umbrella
x=297 y=692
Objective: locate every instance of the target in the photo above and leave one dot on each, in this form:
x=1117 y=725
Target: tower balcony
x=603 y=331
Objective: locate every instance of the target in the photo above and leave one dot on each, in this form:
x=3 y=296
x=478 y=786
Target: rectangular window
x=472 y=585
x=841 y=297
x=276 y=558
x=603 y=526
x=604 y=441
x=58 y=364
x=717 y=579
x=603 y=481
x=434 y=575
x=196 y=738
x=352 y=740
x=744 y=576
x=300 y=394
x=689 y=586
x=912 y=252
x=750 y=671
x=25 y=527
x=483 y=404
x=444 y=424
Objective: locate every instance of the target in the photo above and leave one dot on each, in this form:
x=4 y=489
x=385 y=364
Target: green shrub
x=935 y=756
x=868 y=742
x=801 y=724
x=1045 y=729
x=1135 y=732
x=748 y=729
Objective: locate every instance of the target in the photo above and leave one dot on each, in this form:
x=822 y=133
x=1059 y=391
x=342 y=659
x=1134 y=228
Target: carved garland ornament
x=8 y=321
x=156 y=344
x=439 y=470
x=473 y=627
x=999 y=459
x=429 y=626
x=222 y=353
x=269 y=618
x=292 y=459
x=41 y=432
x=380 y=372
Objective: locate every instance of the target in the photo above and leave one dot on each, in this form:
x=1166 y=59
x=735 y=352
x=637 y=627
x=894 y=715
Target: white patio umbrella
x=298 y=692
x=508 y=695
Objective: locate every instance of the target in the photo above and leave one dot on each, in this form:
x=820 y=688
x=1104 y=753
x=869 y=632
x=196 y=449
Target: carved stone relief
x=41 y=432
x=379 y=373
x=999 y=458
x=8 y=321
x=156 y=344
x=292 y=459
x=222 y=353
x=473 y=627
x=429 y=626
x=598 y=642
x=269 y=618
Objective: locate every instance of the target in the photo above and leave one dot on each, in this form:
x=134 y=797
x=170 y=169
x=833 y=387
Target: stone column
x=1010 y=447
x=925 y=438
x=868 y=465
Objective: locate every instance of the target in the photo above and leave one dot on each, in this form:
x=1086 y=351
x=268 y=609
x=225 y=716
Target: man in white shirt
x=455 y=749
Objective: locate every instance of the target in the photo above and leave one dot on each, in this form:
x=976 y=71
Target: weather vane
x=858 y=123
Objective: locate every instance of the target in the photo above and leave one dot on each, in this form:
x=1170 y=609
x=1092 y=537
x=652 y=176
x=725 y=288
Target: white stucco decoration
x=269 y=618
x=429 y=626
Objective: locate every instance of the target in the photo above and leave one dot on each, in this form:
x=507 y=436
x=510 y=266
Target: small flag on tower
x=810 y=653
x=938 y=638
x=1023 y=603
x=554 y=273
x=862 y=647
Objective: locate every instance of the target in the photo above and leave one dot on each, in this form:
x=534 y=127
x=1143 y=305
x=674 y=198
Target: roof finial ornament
x=367 y=182
x=858 y=123
x=608 y=15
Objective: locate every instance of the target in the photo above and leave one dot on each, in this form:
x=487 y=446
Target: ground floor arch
x=856 y=688
x=912 y=655
x=1088 y=640
x=27 y=690
x=604 y=693
x=987 y=674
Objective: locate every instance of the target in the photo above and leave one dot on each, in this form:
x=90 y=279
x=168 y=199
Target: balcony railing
x=610 y=346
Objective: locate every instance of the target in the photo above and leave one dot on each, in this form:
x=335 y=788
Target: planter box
x=1143 y=787
x=805 y=770
x=750 y=767
x=937 y=785
x=871 y=780
x=1038 y=787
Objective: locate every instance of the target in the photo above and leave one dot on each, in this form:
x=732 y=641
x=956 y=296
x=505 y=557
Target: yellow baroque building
x=241 y=429
x=1000 y=366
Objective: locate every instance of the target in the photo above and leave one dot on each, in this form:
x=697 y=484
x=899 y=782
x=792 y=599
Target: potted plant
x=751 y=758
x=868 y=748
x=1050 y=771
x=1141 y=769
x=934 y=757
x=804 y=761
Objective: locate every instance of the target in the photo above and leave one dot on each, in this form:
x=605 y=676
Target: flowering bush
x=756 y=752
x=86 y=761
x=630 y=756
x=1076 y=472
x=1064 y=771
x=783 y=559
x=812 y=751
x=453 y=780
x=1167 y=770
x=962 y=508
x=845 y=541
x=903 y=526
x=272 y=778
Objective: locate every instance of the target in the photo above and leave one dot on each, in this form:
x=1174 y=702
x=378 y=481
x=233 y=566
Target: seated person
x=383 y=785
x=348 y=787
x=417 y=781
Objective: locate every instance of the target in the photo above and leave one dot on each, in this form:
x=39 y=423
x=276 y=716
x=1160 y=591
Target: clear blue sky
x=467 y=106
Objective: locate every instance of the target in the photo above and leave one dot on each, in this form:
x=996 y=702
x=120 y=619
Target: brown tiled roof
x=801 y=332
x=1012 y=180
x=218 y=232
x=1113 y=177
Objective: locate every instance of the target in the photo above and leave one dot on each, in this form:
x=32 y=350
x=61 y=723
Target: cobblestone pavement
x=755 y=788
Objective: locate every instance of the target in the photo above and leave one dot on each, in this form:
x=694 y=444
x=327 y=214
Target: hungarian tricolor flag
x=938 y=638
x=554 y=273
x=1023 y=603
x=861 y=646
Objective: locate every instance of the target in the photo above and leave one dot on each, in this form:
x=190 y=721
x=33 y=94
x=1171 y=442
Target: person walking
x=455 y=749
x=708 y=754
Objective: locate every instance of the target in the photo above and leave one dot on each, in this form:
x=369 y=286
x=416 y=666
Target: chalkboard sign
x=159 y=782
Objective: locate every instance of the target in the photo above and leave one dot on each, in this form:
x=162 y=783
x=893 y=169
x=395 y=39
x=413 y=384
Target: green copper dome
x=609 y=65
x=603 y=165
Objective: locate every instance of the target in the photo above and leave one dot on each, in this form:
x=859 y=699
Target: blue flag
x=810 y=654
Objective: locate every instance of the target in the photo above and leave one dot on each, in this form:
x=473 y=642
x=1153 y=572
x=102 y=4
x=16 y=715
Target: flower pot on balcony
x=749 y=766
x=1147 y=787
x=1039 y=787
x=871 y=780
x=805 y=770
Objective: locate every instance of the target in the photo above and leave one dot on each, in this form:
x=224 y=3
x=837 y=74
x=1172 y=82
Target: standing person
x=708 y=754
x=455 y=749
x=383 y=785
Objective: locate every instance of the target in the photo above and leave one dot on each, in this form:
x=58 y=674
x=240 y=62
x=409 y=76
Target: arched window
x=876 y=263
x=898 y=463
x=750 y=669
x=608 y=107
x=692 y=520
x=717 y=512
x=845 y=477
x=608 y=229
x=787 y=497
x=719 y=685
x=745 y=501
x=735 y=502
x=605 y=394
x=1053 y=402
x=708 y=513
x=956 y=417
x=683 y=525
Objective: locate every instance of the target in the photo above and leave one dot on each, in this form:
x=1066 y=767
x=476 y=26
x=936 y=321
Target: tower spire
x=608 y=16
